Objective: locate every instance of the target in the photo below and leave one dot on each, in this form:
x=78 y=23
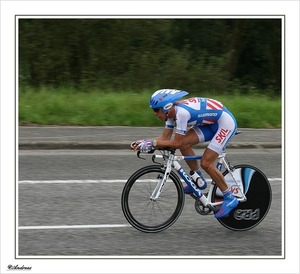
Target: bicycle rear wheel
x=255 y=185
x=143 y=213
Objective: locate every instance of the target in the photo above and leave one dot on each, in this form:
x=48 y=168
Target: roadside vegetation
x=102 y=71
x=49 y=106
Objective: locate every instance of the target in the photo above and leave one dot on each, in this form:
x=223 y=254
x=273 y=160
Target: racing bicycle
x=153 y=197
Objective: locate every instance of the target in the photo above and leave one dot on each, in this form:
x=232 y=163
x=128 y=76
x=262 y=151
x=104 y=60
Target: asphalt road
x=118 y=137
x=69 y=205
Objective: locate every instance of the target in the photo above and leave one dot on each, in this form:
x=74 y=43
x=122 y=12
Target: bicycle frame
x=173 y=162
x=167 y=204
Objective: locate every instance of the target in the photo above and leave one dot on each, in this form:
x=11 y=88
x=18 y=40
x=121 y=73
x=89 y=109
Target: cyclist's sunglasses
x=156 y=109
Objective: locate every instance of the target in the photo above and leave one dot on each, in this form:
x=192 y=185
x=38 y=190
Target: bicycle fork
x=159 y=186
x=158 y=189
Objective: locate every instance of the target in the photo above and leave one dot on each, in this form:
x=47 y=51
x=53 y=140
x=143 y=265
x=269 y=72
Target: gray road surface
x=113 y=137
x=66 y=197
x=69 y=185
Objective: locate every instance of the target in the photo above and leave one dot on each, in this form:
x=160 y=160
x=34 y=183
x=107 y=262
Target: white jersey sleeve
x=170 y=123
x=183 y=116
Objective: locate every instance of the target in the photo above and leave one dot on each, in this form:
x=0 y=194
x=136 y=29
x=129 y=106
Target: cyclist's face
x=162 y=116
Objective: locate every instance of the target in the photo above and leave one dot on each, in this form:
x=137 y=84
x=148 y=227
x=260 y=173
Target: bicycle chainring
x=201 y=209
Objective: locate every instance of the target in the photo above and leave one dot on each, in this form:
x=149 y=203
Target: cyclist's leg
x=208 y=160
x=189 y=140
x=195 y=135
x=226 y=129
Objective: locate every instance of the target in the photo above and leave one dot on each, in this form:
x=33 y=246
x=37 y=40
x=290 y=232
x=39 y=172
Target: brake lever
x=149 y=152
x=138 y=155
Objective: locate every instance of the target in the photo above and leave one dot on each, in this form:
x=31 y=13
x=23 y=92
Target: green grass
x=66 y=107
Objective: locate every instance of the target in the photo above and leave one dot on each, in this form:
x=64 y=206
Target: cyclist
x=210 y=121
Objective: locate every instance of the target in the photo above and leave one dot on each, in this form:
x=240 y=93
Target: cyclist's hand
x=135 y=145
x=144 y=145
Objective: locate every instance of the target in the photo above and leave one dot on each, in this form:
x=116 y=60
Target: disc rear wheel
x=255 y=185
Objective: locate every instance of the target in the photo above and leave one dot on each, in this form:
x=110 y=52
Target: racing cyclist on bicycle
x=210 y=121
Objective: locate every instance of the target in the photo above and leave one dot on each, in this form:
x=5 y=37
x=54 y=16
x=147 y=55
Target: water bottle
x=197 y=179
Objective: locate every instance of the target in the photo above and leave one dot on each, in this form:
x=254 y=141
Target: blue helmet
x=165 y=98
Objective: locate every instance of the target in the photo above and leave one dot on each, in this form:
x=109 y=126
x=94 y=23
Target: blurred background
x=219 y=57
x=197 y=54
x=99 y=74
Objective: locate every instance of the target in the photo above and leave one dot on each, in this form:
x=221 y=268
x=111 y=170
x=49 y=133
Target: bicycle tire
x=152 y=216
x=257 y=189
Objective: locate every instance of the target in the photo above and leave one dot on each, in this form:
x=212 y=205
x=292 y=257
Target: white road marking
x=95 y=181
x=82 y=182
x=72 y=226
x=72 y=182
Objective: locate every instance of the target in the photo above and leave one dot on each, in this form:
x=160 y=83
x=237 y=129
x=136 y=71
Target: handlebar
x=171 y=150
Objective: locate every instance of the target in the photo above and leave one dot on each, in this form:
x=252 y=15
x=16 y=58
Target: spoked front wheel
x=255 y=185
x=142 y=212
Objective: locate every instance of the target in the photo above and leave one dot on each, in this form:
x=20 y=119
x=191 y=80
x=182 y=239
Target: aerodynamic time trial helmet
x=165 y=99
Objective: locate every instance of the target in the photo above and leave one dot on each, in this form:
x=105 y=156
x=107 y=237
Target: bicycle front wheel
x=255 y=185
x=142 y=212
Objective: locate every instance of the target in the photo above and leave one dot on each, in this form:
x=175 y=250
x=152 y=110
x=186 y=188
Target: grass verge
x=66 y=107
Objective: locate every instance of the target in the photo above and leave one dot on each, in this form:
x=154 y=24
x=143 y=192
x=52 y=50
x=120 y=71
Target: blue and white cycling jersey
x=195 y=112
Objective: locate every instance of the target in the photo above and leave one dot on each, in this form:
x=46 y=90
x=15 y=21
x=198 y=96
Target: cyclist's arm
x=166 y=135
x=175 y=143
x=181 y=121
x=168 y=131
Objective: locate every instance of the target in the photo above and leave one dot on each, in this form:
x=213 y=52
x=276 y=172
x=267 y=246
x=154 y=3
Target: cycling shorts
x=219 y=133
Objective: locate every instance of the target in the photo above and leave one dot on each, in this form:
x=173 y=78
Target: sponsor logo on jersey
x=207 y=114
